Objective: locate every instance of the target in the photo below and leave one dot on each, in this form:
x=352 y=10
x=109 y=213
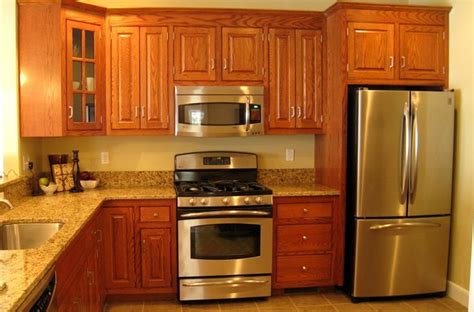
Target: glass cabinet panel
x=83 y=62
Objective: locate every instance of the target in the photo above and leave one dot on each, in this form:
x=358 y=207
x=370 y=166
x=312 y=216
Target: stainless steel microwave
x=208 y=111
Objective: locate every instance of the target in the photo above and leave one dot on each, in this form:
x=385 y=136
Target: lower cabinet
x=139 y=240
x=304 y=244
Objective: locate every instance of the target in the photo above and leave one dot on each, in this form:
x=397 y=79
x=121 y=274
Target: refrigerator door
x=431 y=153
x=397 y=257
x=382 y=129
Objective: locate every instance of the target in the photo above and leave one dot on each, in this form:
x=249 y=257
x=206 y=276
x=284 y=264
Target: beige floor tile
x=354 y=307
x=308 y=299
x=240 y=305
x=318 y=308
x=158 y=306
x=278 y=302
x=453 y=305
x=391 y=306
x=428 y=305
x=124 y=307
x=336 y=297
x=200 y=306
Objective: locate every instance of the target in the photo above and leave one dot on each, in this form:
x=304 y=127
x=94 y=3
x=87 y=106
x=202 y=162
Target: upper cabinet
x=295 y=100
x=242 y=54
x=62 y=81
x=194 y=53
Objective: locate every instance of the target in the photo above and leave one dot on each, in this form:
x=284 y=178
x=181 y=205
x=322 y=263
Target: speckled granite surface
x=302 y=190
x=22 y=269
x=286 y=176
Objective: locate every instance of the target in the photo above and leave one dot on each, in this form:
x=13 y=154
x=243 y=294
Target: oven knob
x=203 y=201
x=225 y=201
x=247 y=200
x=258 y=200
x=192 y=201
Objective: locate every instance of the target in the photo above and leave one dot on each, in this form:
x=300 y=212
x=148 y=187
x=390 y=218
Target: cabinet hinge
x=167 y=36
x=168 y=119
x=347 y=31
x=268 y=36
x=101 y=120
x=444 y=35
x=173 y=34
x=263 y=71
x=322 y=118
x=100 y=34
x=347 y=67
x=444 y=70
x=263 y=37
x=174 y=70
x=321 y=39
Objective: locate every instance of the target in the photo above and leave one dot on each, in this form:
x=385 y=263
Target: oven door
x=219 y=115
x=224 y=246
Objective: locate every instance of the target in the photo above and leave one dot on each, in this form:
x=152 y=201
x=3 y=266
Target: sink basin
x=26 y=235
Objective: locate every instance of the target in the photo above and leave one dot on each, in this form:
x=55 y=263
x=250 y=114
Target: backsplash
x=15 y=190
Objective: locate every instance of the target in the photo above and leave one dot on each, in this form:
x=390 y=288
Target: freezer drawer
x=403 y=256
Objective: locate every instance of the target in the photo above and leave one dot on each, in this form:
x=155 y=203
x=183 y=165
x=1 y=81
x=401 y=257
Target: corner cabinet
x=139 y=82
x=62 y=74
x=296 y=75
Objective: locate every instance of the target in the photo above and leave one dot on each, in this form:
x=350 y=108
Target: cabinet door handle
x=71 y=112
x=136 y=111
x=391 y=61
x=304 y=237
x=225 y=63
x=90 y=277
x=143 y=111
x=292 y=112
x=403 y=62
x=155 y=214
x=305 y=210
x=144 y=245
x=99 y=235
x=212 y=63
x=304 y=268
x=298 y=109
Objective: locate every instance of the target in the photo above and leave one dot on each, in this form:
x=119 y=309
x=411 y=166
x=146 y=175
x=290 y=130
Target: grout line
x=438 y=300
x=292 y=302
x=408 y=305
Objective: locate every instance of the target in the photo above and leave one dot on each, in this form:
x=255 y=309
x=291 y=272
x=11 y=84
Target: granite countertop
x=23 y=269
x=281 y=190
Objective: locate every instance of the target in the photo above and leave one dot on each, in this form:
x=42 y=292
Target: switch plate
x=25 y=160
x=104 y=158
x=290 y=154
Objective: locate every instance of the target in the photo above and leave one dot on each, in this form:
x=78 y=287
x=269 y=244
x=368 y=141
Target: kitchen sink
x=26 y=235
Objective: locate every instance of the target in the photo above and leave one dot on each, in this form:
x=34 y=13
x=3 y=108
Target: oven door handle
x=225 y=283
x=247 y=113
x=225 y=213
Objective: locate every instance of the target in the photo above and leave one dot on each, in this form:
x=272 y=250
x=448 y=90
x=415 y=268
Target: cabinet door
x=423 y=52
x=76 y=297
x=154 y=77
x=309 y=79
x=125 y=78
x=119 y=247
x=371 y=51
x=156 y=257
x=194 y=53
x=282 y=79
x=242 y=53
x=84 y=76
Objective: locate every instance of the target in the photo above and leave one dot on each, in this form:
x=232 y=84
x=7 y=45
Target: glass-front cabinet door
x=84 y=94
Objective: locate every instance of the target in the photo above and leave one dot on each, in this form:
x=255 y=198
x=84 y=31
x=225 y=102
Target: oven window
x=225 y=241
x=217 y=114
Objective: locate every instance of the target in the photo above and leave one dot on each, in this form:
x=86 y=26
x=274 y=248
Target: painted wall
x=157 y=153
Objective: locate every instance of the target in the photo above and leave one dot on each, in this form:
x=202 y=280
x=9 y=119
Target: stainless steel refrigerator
x=399 y=181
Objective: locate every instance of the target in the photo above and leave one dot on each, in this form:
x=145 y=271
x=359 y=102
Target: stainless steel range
x=224 y=227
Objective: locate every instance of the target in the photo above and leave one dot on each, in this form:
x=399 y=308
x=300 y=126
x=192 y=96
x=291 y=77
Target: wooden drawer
x=301 y=212
x=304 y=238
x=155 y=214
x=303 y=268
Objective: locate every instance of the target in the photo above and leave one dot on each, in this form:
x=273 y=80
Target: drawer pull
x=304 y=268
x=304 y=237
x=305 y=210
x=155 y=214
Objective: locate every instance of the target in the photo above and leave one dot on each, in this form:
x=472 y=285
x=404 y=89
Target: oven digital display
x=216 y=161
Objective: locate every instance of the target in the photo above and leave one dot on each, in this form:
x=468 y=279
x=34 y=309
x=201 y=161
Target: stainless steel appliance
x=224 y=227
x=207 y=111
x=400 y=153
x=42 y=297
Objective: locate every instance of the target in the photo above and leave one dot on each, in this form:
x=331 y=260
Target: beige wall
x=156 y=153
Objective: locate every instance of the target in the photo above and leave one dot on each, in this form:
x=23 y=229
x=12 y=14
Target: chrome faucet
x=6 y=202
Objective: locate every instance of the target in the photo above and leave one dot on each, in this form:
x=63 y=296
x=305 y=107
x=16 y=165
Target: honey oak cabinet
x=194 y=53
x=242 y=54
x=306 y=240
x=139 y=82
x=62 y=73
x=141 y=257
x=295 y=100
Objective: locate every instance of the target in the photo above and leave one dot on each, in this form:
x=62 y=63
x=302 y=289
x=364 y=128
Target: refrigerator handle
x=416 y=149
x=404 y=225
x=404 y=153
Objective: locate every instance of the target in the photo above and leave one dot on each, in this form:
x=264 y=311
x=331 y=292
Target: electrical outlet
x=25 y=161
x=104 y=158
x=290 y=154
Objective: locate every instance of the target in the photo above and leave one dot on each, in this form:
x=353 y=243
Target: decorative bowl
x=89 y=184
x=49 y=189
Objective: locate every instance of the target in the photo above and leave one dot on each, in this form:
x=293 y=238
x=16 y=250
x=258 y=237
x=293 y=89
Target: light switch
x=290 y=154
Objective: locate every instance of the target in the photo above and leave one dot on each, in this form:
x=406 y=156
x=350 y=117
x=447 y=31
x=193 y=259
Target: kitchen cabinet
x=78 y=271
x=62 y=73
x=141 y=253
x=295 y=101
x=242 y=54
x=305 y=241
x=194 y=53
x=139 y=97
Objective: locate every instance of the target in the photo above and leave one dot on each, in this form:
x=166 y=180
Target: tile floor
x=307 y=301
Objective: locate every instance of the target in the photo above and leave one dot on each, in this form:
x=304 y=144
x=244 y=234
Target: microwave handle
x=247 y=113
